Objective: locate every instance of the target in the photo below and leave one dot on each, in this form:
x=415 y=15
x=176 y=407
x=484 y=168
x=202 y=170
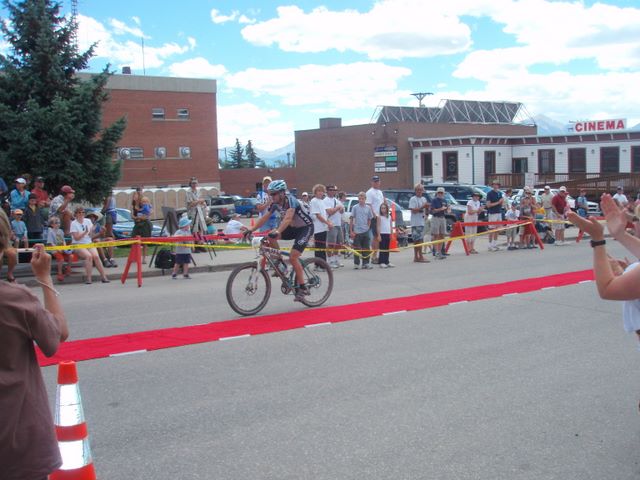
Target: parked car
x=246 y=206
x=221 y=208
x=461 y=192
x=403 y=216
x=124 y=224
x=592 y=207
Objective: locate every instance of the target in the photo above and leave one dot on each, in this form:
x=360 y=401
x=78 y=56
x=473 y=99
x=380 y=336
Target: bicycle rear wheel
x=318 y=278
x=248 y=289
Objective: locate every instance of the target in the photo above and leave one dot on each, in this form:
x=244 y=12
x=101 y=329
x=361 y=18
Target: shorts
x=334 y=237
x=300 y=236
x=559 y=225
x=438 y=226
x=183 y=258
x=62 y=255
x=417 y=233
x=110 y=218
x=494 y=217
x=141 y=228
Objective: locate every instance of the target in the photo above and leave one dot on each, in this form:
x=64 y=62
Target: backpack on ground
x=164 y=259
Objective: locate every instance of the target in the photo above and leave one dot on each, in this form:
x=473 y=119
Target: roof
x=458 y=111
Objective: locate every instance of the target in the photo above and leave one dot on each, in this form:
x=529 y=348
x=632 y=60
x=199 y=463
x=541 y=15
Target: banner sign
x=598 y=126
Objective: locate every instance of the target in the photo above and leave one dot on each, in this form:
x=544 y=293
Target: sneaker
x=187 y=277
x=390 y=265
x=367 y=266
x=356 y=267
x=300 y=293
x=174 y=276
x=383 y=265
x=105 y=263
x=113 y=263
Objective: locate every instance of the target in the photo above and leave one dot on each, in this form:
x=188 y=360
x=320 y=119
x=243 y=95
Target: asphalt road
x=540 y=385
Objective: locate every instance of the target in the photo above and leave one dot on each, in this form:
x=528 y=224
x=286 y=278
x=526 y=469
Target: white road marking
x=511 y=294
x=313 y=325
x=394 y=313
x=547 y=288
x=133 y=352
x=458 y=303
x=233 y=338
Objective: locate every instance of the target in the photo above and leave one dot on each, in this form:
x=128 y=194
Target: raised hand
x=590 y=225
x=616 y=218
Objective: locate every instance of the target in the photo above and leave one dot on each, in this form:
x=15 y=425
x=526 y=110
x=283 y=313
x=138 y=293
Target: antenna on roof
x=74 y=21
x=420 y=96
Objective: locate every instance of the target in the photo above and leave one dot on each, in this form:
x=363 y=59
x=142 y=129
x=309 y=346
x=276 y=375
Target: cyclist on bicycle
x=296 y=224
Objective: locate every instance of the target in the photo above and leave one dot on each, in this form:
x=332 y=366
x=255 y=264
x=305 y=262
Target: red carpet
x=101 y=347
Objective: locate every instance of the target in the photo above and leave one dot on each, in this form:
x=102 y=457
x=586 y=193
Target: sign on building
x=600 y=126
x=385 y=159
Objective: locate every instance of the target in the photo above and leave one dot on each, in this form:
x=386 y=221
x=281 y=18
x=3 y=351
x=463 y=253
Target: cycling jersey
x=301 y=217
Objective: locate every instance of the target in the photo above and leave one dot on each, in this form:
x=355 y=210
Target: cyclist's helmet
x=277 y=186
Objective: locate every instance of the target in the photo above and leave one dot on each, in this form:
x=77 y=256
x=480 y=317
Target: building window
x=184 y=152
x=546 y=161
x=427 y=164
x=489 y=162
x=157 y=113
x=635 y=159
x=450 y=166
x=160 y=152
x=520 y=165
x=183 y=114
x=609 y=160
x=577 y=160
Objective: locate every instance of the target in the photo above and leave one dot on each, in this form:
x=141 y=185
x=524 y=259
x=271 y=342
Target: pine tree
x=252 y=158
x=236 y=155
x=50 y=120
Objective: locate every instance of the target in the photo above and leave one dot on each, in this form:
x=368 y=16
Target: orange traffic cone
x=71 y=429
x=393 y=244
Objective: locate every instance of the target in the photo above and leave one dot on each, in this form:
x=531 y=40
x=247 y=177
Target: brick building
x=171 y=132
x=349 y=156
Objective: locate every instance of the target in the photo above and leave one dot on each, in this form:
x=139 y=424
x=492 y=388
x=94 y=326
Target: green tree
x=50 y=120
x=236 y=156
x=252 y=158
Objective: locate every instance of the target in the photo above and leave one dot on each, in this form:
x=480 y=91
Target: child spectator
x=234 y=228
x=35 y=219
x=142 y=227
x=81 y=229
x=19 y=230
x=384 y=236
x=512 y=214
x=183 y=252
x=55 y=238
x=360 y=223
x=526 y=213
x=98 y=234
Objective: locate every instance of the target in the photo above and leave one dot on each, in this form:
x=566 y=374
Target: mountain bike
x=249 y=285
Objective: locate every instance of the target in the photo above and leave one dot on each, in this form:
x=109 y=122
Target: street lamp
x=473 y=160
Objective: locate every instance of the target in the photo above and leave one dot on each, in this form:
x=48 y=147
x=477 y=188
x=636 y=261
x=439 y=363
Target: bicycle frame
x=272 y=256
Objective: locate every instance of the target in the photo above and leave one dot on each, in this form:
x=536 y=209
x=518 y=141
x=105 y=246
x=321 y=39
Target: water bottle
x=282 y=267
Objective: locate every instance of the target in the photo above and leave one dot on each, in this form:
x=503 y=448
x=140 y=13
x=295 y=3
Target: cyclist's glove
x=273 y=234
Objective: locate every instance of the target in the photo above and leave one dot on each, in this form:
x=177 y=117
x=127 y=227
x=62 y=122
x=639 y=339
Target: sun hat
x=267 y=179
x=184 y=222
x=17 y=211
x=95 y=213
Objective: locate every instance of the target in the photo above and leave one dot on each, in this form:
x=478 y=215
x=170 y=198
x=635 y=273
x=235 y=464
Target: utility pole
x=420 y=96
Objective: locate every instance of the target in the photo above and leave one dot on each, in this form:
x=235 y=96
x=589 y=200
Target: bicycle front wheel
x=318 y=278
x=248 y=289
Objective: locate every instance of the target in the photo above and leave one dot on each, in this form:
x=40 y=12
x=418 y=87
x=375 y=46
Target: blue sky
x=281 y=66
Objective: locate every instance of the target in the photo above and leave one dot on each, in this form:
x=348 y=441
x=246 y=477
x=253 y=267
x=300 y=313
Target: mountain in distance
x=549 y=126
x=273 y=158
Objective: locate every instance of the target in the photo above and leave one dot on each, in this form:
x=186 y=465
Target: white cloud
x=121 y=28
x=391 y=29
x=247 y=121
x=244 y=19
x=192 y=42
x=217 y=17
x=343 y=86
x=198 y=67
x=127 y=52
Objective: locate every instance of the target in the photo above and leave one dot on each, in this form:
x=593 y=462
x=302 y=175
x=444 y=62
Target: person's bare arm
x=617 y=225
x=41 y=266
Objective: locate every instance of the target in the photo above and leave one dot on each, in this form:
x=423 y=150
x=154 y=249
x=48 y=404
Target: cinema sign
x=600 y=126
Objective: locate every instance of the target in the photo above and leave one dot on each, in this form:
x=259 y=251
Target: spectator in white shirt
x=321 y=225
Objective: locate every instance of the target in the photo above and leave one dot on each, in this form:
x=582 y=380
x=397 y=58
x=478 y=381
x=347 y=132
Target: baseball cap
x=17 y=211
x=39 y=179
x=375 y=178
x=619 y=187
x=475 y=194
x=21 y=180
x=547 y=187
x=67 y=189
x=332 y=187
x=563 y=189
x=267 y=179
x=440 y=190
x=495 y=182
x=305 y=193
